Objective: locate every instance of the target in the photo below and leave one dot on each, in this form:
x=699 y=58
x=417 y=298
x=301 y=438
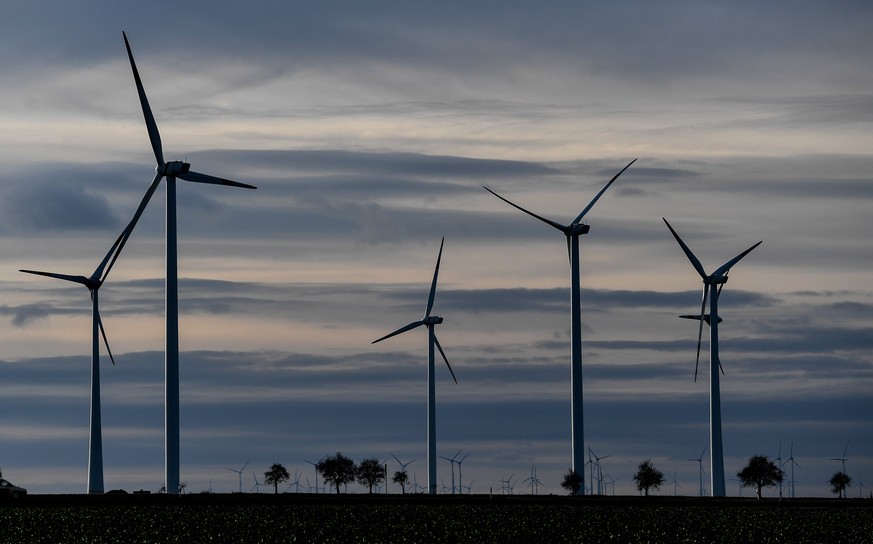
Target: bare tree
x=648 y=477
x=337 y=469
x=761 y=472
x=275 y=476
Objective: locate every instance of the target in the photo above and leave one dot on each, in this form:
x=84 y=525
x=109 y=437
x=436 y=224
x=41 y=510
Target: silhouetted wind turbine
x=793 y=464
x=453 y=460
x=572 y=232
x=257 y=487
x=315 y=466
x=712 y=286
x=533 y=480
x=842 y=459
x=699 y=461
x=93 y=283
x=429 y=321
x=778 y=460
x=240 y=471
x=170 y=171
x=461 y=474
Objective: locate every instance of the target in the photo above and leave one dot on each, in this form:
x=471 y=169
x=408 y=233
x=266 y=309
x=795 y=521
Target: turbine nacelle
x=715 y=280
x=173 y=168
x=432 y=320
x=578 y=229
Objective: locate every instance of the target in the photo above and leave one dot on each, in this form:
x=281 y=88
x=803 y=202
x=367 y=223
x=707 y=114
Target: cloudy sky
x=369 y=129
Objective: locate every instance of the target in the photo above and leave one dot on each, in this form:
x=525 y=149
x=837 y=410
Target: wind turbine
x=460 y=474
x=599 y=469
x=842 y=459
x=712 y=286
x=170 y=171
x=778 y=460
x=315 y=466
x=699 y=461
x=793 y=464
x=257 y=487
x=572 y=232
x=296 y=482
x=534 y=481
x=452 y=461
x=240 y=471
x=429 y=321
x=93 y=283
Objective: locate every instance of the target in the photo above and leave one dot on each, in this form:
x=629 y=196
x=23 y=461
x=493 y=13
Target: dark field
x=362 y=518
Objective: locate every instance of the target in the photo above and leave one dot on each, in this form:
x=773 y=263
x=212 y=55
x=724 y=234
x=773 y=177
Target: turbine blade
x=75 y=279
x=409 y=327
x=443 y=353
x=691 y=257
x=105 y=340
x=700 y=330
x=723 y=269
x=560 y=227
x=128 y=230
x=596 y=198
x=154 y=135
x=433 y=284
x=197 y=177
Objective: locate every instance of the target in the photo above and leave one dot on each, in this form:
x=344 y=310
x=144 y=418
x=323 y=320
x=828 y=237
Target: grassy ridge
x=367 y=520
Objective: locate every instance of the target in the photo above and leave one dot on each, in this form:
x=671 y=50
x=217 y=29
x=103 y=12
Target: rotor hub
x=715 y=280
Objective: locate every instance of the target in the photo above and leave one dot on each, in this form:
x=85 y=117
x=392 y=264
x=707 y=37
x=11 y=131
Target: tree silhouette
x=572 y=482
x=371 y=472
x=648 y=476
x=401 y=478
x=275 y=476
x=840 y=482
x=337 y=469
x=761 y=472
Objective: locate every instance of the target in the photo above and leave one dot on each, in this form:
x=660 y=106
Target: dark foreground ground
x=420 y=518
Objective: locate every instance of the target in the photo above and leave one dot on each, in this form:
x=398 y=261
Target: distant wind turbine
x=315 y=467
x=257 y=487
x=170 y=171
x=842 y=459
x=699 y=462
x=572 y=233
x=533 y=480
x=429 y=321
x=793 y=464
x=295 y=483
x=240 y=472
x=778 y=460
x=712 y=286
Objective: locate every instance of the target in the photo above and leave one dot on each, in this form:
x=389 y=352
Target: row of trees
x=340 y=471
x=759 y=473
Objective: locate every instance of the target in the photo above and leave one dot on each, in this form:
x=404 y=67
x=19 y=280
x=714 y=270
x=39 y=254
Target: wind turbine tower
x=712 y=286
x=572 y=233
x=170 y=171
x=429 y=321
